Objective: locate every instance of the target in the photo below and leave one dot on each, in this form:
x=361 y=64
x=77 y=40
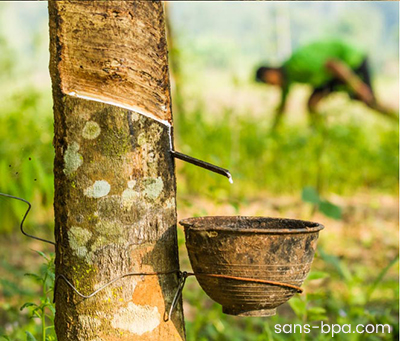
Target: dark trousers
x=337 y=85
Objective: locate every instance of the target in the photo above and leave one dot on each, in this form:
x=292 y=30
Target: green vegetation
x=306 y=309
x=41 y=288
x=290 y=159
x=343 y=174
x=45 y=310
x=26 y=156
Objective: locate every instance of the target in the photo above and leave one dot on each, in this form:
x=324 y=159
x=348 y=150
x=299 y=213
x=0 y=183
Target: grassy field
x=348 y=283
x=352 y=159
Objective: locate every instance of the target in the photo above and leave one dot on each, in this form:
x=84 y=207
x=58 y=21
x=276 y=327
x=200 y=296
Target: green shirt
x=307 y=64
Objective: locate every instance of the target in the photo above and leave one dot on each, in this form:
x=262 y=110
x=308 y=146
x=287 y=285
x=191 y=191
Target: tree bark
x=115 y=192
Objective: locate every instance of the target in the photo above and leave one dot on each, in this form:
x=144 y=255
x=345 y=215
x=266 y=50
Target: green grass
x=26 y=156
x=336 y=292
x=354 y=151
x=349 y=157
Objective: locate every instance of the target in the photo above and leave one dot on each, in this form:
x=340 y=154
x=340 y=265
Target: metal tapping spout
x=202 y=164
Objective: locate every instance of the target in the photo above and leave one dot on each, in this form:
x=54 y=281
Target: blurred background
x=343 y=175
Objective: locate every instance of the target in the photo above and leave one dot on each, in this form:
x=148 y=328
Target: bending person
x=327 y=66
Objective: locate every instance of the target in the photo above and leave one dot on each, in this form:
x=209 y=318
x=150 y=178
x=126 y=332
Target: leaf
x=50 y=274
x=298 y=306
x=30 y=337
x=309 y=194
x=34 y=276
x=316 y=313
x=27 y=305
x=42 y=254
x=381 y=275
x=35 y=314
x=52 y=309
x=341 y=267
x=316 y=310
x=330 y=210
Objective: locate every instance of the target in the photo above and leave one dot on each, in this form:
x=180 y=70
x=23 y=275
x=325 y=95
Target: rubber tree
x=115 y=191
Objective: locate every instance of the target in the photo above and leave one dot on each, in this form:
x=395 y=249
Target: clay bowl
x=267 y=249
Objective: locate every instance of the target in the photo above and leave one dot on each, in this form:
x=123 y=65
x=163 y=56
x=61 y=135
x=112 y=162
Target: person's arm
x=281 y=106
x=362 y=90
x=341 y=71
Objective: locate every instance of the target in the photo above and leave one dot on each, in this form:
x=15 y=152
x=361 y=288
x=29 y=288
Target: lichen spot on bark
x=131 y=183
x=99 y=189
x=134 y=116
x=129 y=196
x=153 y=187
x=109 y=228
x=137 y=319
x=91 y=130
x=141 y=140
x=170 y=203
x=111 y=233
x=72 y=159
x=78 y=238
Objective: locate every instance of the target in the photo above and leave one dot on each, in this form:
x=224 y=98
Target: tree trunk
x=115 y=192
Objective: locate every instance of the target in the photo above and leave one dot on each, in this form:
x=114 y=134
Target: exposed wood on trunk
x=115 y=187
x=114 y=51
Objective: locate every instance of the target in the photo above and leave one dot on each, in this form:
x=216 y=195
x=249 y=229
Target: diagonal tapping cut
x=174 y=153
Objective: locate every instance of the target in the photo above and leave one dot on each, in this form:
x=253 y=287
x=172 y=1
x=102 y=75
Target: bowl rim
x=193 y=224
